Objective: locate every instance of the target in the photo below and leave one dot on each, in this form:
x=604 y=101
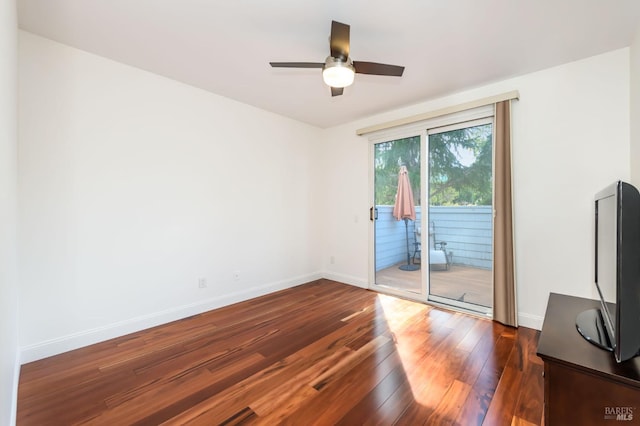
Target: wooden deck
x=472 y=285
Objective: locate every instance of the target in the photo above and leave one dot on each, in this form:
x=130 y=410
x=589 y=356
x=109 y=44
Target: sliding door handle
x=373 y=213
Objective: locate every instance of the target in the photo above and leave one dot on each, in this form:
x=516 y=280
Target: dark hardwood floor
x=320 y=353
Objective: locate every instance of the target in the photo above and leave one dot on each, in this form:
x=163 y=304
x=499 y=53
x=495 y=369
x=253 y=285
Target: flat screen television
x=615 y=326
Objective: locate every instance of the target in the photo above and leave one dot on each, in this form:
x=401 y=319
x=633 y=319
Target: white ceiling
x=225 y=47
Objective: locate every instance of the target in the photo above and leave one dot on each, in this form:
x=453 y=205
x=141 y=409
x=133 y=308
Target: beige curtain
x=504 y=291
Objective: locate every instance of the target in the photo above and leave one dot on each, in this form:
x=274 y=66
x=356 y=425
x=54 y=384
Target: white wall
x=570 y=139
x=9 y=358
x=132 y=186
x=635 y=109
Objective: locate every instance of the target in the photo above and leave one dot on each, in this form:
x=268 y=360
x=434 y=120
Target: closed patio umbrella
x=405 y=209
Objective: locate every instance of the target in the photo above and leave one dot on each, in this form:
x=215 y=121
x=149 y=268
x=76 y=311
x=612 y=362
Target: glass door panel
x=397 y=254
x=460 y=217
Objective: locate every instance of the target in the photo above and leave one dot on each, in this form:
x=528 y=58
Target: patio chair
x=438 y=255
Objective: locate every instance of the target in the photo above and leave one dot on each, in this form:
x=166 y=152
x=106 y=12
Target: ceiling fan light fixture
x=337 y=73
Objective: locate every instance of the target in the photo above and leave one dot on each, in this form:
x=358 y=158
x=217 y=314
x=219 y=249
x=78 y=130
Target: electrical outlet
x=236 y=275
x=202 y=283
x=332 y=260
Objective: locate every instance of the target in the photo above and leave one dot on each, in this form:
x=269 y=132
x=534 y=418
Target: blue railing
x=466 y=229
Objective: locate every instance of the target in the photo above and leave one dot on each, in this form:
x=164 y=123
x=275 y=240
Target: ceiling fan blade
x=297 y=64
x=337 y=91
x=339 y=40
x=378 y=69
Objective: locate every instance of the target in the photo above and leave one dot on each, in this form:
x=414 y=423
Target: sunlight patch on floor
x=454 y=335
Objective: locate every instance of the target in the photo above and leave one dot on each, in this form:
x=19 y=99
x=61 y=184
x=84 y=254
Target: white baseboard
x=346 y=279
x=73 y=341
x=530 y=321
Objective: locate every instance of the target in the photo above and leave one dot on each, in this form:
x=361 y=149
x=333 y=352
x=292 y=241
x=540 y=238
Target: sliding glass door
x=396 y=214
x=460 y=215
x=435 y=244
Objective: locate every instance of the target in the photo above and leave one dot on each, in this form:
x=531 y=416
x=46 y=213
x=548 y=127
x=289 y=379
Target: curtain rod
x=439 y=112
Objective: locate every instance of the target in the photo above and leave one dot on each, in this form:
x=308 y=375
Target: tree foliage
x=460 y=169
x=389 y=156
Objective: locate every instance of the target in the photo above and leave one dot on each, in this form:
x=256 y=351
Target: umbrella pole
x=408 y=266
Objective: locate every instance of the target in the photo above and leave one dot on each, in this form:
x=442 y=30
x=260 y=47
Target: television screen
x=606 y=260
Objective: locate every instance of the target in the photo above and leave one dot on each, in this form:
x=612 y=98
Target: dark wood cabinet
x=583 y=384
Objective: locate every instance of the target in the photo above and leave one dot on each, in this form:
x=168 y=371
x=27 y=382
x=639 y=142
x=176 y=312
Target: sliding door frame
x=483 y=310
x=373 y=285
x=420 y=128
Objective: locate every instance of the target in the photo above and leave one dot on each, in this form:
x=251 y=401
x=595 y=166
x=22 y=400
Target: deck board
x=468 y=284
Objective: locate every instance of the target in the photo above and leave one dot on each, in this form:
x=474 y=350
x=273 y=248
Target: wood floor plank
x=451 y=404
x=219 y=381
x=367 y=410
x=502 y=409
x=438 y=369
x=394 y=406
x=320 y=353
x=530 y=407
x=335 y=399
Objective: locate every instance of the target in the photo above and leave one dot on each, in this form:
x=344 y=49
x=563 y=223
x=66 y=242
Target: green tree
x=389 y=156
x=459 y=167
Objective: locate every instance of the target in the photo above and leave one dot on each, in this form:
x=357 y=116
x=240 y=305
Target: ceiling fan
x=338 y=70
